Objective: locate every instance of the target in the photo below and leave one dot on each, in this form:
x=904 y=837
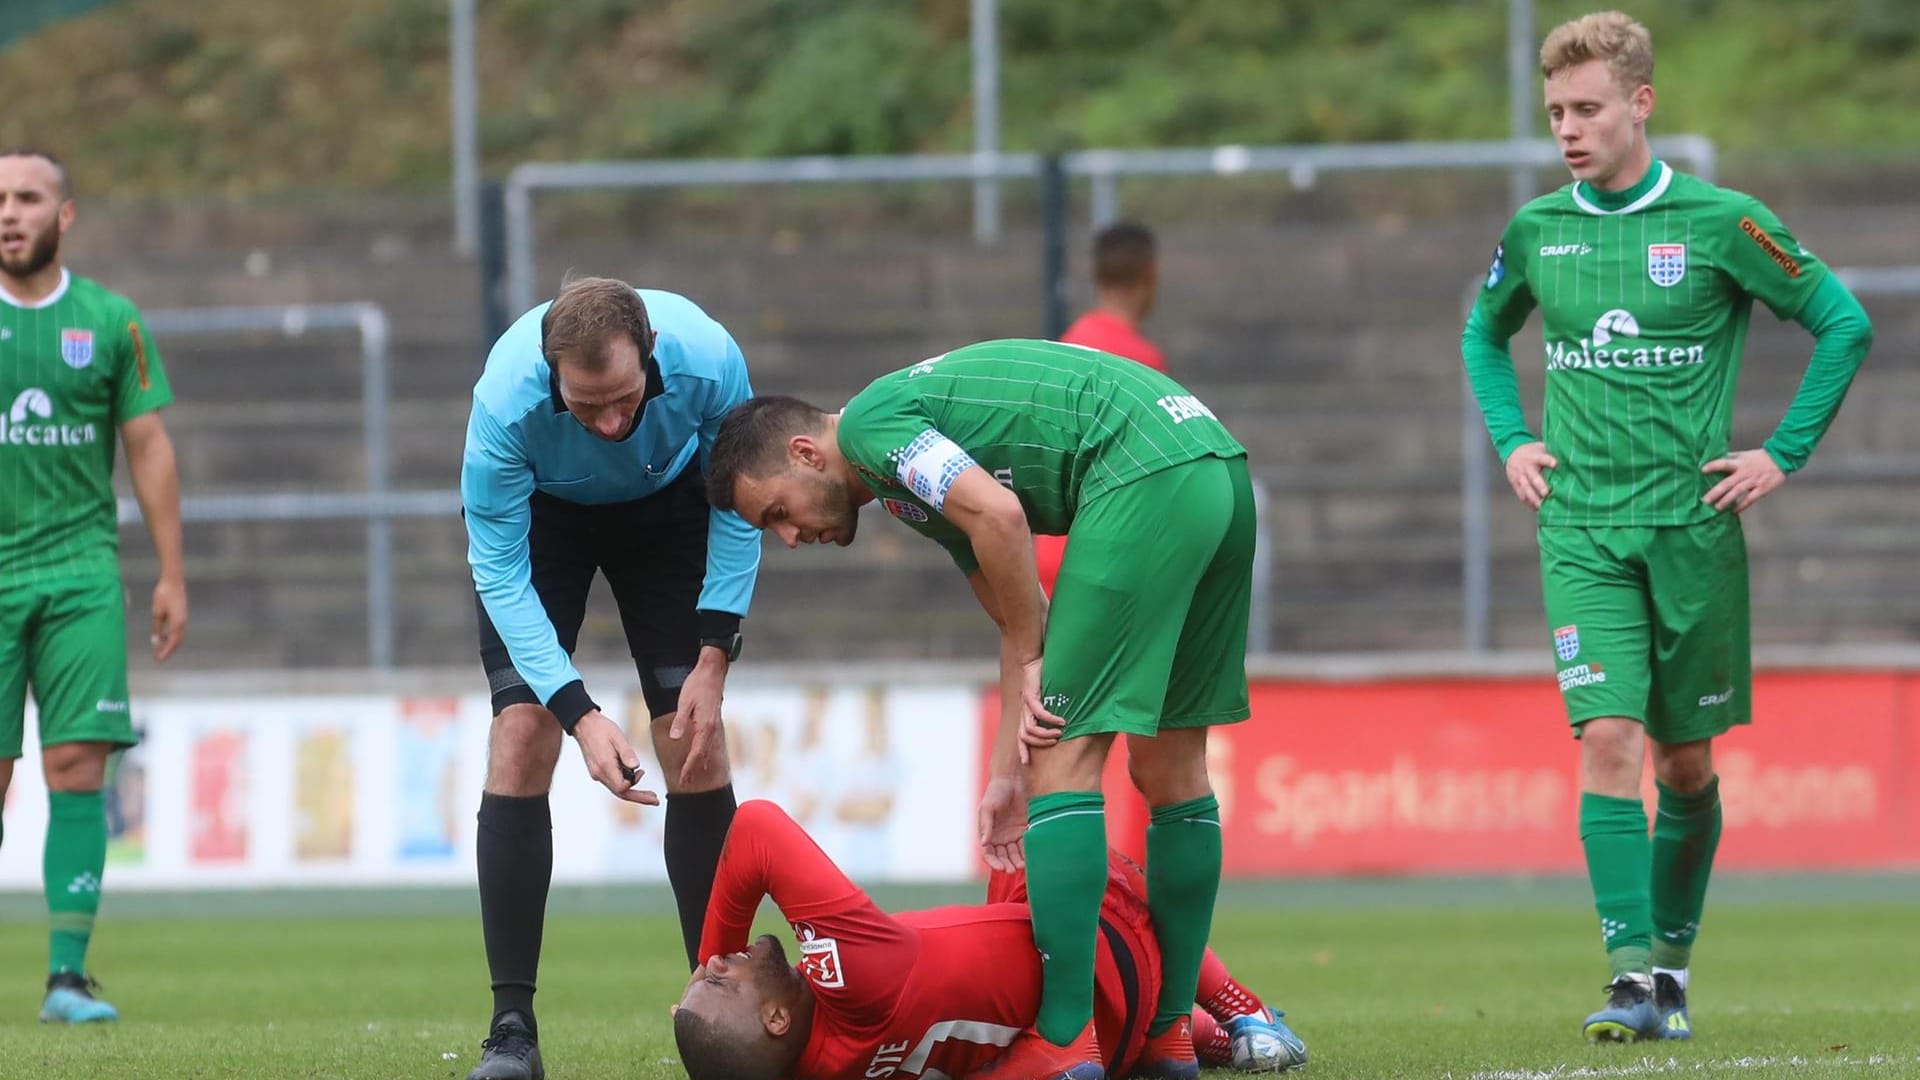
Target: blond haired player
x=1645 y=278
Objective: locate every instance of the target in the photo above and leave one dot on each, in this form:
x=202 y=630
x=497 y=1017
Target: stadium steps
x=1329 y=347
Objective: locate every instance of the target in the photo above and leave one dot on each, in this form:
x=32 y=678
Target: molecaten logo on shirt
x=18 y=427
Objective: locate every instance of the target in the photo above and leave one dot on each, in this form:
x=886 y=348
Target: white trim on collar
x=1641 y=203
x=48 y=301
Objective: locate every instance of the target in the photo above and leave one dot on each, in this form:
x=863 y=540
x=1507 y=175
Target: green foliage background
x=250 y=96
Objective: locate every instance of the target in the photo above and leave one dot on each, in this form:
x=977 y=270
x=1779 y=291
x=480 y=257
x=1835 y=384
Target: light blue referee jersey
x=521 y=438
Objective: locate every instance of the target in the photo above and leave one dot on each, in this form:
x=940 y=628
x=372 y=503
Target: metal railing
x=377 y=505
x=1101 y=167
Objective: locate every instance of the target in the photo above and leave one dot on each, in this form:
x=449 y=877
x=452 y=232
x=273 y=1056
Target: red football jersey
x=927 y=994
x=1108 y=332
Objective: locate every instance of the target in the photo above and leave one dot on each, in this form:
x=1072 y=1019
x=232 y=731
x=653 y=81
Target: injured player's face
x=740 y=983
x=749 y=997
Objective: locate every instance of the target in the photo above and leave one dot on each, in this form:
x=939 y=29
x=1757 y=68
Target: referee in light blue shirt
x=589 y=433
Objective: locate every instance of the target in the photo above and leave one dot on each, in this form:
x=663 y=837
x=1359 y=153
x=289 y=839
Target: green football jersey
x=73 y=368
x=1644 y=297
x=1057 y=424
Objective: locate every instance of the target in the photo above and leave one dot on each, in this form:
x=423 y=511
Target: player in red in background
x=922 y=994
x=1126 y=281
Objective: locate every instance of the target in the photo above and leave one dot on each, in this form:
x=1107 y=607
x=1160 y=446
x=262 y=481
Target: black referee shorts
x=654 y=554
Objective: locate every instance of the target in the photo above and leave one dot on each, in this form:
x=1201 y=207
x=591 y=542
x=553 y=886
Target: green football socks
x=1614 y=833
x=1183 y=878
x=1066 y=881
x=1686 y=833
x=75 y=858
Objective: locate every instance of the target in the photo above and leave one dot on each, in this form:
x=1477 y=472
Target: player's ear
x=1642 y=102
x=804 y=450
x=776 y=1018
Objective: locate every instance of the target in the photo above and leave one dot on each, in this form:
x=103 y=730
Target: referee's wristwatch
x=729 y=644
x=721 y=630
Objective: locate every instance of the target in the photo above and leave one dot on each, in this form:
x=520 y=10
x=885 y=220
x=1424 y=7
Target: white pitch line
x=1651 y=1067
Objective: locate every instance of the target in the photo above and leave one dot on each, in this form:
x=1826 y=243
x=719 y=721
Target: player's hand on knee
x=698 y=720
x=1039 y=727
x=1038 y=732
x=611 y=759
x=1526 y=472
x=1749 y=476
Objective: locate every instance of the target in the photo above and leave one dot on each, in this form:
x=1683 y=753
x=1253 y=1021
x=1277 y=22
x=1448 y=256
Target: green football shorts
x=1148 y=627
x=68 y=641
x=1651 y=624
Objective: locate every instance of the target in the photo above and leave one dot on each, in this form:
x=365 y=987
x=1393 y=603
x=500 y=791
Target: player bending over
x=926 y=994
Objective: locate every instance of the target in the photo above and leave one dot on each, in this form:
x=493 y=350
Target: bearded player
x=979 y=449
x=78 y=372
x=1645 y=279
x=923 y=994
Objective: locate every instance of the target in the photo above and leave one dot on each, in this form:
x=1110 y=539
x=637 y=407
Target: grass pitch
x=1794 y=977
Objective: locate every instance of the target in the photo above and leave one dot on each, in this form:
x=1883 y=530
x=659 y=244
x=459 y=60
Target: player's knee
x=6 y=776
x=713 y=772
x=1612 y=750
x=78 y=766
x=1069 y=765
x=522 y=749
x=1684 y=767
x=1171 y=767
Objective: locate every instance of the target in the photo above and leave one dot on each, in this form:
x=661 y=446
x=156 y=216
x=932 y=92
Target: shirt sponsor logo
x=1666 y=264
x=1593 y=351
x=1566 y=642
x=1185 y=407
x=819 y=957
x=18 y=426
x=904 y=510
x=1774 y=251
x=76 y=348
x=1580 y=675
x=1499 y=268
x=1553 y=250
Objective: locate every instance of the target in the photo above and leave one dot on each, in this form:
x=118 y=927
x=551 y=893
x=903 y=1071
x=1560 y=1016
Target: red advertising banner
x=1481 y=775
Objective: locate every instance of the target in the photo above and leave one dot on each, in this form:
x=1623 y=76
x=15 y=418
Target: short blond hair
x=1612 y=36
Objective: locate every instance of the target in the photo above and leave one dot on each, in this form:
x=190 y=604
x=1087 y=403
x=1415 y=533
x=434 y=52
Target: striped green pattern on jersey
x=1057 y=424
x=1645 y=299
x=73 y=368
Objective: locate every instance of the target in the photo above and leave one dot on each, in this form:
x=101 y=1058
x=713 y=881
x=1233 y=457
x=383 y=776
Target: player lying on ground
x=925 y=994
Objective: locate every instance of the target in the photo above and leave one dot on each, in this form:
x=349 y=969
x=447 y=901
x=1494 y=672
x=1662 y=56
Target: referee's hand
x=611 y=759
